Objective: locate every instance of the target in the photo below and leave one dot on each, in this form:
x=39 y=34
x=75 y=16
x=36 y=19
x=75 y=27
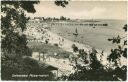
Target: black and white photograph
x=63 y=40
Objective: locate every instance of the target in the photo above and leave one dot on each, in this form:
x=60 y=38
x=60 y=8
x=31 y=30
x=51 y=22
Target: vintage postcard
x=63 y=40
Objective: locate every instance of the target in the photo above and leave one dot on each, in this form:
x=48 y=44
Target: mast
x=76 y=31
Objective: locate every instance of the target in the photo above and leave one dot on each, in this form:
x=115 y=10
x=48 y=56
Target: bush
x=75 y=48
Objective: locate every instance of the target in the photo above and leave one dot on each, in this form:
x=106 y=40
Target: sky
x=82 y=10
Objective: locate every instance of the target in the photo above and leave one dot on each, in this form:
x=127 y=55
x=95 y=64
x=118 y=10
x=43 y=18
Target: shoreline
x=66 y=44
x=54 y=38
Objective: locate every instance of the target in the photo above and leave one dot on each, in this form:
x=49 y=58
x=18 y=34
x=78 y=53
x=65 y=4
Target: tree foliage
x=75 y=48
x=13 y=23
x=62 y=3
x=121 y=50
x=96 y=71
x=14 y=42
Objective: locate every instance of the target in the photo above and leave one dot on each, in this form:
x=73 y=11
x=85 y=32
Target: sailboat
x=76 y=32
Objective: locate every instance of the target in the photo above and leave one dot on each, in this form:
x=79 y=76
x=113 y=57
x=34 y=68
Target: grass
x=49 y=49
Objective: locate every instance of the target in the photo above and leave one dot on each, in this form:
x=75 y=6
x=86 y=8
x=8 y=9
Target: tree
x=121 y=50
x=14 y=42
x=61 y=3
x=98 y=72
x=13 y=23
x=117 y=53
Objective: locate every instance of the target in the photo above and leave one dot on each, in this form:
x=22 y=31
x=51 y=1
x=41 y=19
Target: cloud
x=75 y=10
x=52 y=11
x=44 y=11
x=95 y=12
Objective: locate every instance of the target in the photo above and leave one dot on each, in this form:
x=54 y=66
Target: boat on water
x=76 y=32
